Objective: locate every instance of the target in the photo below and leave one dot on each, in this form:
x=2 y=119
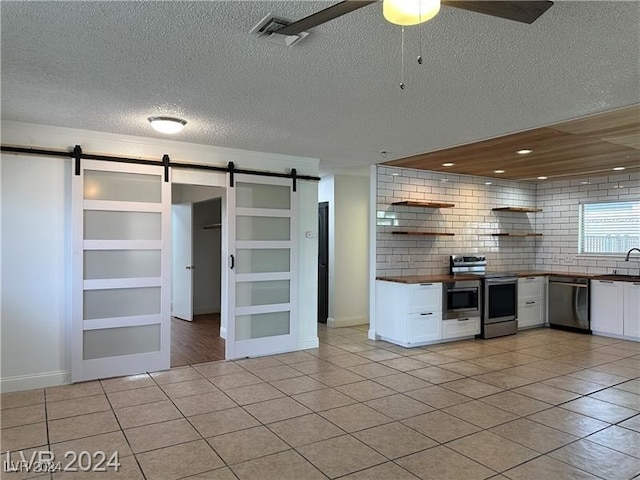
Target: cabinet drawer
x=531 y=287
x=425 y=297
x=424 y=327
x=461 y=327
x=530 y=314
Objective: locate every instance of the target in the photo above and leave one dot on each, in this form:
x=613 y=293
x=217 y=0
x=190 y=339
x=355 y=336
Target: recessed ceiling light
x=498 y=171
x=487 y=183
x=167 y=125
x=542 y=178
x=524 y=151
x=618 y=168
x=586 y=182
x=448 y=164
x=395 y=174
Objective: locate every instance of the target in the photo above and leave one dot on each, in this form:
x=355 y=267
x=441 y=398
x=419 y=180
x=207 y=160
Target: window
x=609 y=227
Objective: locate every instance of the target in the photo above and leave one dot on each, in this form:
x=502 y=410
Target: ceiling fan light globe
x=410 y=12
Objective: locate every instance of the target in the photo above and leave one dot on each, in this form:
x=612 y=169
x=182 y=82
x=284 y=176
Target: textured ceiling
x=107 y=66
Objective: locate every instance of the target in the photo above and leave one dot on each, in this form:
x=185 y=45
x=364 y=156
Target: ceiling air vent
x=268 y=28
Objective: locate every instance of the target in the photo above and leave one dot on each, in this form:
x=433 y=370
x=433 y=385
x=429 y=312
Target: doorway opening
x=196 y=276
x=323 y=262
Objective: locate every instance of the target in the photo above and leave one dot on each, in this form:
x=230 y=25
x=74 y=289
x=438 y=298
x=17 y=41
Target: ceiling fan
x=519 y=11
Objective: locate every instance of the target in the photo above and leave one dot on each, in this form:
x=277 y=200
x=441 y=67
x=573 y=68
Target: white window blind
x=609 y=227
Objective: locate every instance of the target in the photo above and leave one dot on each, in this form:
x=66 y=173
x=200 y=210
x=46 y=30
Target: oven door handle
x=501 y=281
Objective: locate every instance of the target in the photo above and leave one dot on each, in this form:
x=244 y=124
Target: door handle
x=190 y=267
x=233 y=261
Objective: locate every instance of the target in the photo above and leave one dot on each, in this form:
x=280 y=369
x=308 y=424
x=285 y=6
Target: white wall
x=36 y=241
x=36 y=257
x=348 y=198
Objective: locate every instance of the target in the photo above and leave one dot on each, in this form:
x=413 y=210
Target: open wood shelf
x=516 y=234
x=432 y=234
x=410 y=203
x=517 y=209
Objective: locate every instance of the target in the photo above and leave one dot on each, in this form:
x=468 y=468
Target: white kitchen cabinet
x=409 y=314
x=531 y=301
x=460 y=327
x=631 y=310
x=607 y=307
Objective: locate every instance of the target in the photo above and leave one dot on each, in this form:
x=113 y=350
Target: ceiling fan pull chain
x=402 y=61
x=420 y=36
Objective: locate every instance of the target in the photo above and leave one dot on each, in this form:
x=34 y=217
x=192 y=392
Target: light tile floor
x=544 y=404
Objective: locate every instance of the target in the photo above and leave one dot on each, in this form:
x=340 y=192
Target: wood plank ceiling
x=589 y=146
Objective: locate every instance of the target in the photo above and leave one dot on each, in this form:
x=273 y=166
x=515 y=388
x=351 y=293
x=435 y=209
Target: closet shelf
x=517 y=209
x=410 y=203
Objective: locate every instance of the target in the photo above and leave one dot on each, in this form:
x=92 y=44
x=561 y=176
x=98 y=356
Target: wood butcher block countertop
x=443 y=277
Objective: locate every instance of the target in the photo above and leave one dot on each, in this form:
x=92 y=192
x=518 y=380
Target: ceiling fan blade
x=519 y=11
x=318 y=18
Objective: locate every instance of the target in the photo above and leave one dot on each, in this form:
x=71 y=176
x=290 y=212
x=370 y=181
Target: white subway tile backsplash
x=472 y=221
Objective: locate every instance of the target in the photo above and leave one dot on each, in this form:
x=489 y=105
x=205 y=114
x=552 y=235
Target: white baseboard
x=346 y=321
x=38 y=380
x=307 y=343
x=223 y=332
x=371 y=335
x=206 y=309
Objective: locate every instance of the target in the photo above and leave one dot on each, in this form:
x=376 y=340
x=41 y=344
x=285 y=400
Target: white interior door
x=182 y=254
x=121 y=270
x=262 y=283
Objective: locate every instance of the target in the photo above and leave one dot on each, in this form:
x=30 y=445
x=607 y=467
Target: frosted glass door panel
x=108 y=225
x=123 y=187
x=263 y=260
x=262 y=293
x=114 y=342
x=121 y=302
x=262 y=325
x=255 y=195
x=99 y=264
x=263 y=228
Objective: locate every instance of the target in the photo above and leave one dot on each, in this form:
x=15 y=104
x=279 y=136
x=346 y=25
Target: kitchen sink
x=616 y=276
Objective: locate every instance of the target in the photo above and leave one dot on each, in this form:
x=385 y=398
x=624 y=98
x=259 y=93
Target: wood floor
x=196 y=342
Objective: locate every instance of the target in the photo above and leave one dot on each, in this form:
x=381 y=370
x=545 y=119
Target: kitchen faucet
x=626 y=259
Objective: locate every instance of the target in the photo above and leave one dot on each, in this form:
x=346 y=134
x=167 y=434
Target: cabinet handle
x=530 y=303
x=426 y=284
x=530 y=278
x=430 y=313
x=605 y=281
x=463 y=319
x=636 y=283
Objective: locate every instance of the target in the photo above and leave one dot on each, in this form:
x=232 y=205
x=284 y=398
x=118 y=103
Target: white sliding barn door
x=121 y=270
x=262 y=269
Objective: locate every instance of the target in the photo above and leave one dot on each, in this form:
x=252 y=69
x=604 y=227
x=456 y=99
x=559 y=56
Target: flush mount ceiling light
x=542 y=178
x=617 y=169
x=410 y=12
x=498 y=171
x=524 y=151
x=167 y=125
x=448 y=164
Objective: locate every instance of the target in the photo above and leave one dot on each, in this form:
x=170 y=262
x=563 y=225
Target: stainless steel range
x=499 y=294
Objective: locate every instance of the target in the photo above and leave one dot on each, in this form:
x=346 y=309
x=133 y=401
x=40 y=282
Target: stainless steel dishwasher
x=569 y=303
